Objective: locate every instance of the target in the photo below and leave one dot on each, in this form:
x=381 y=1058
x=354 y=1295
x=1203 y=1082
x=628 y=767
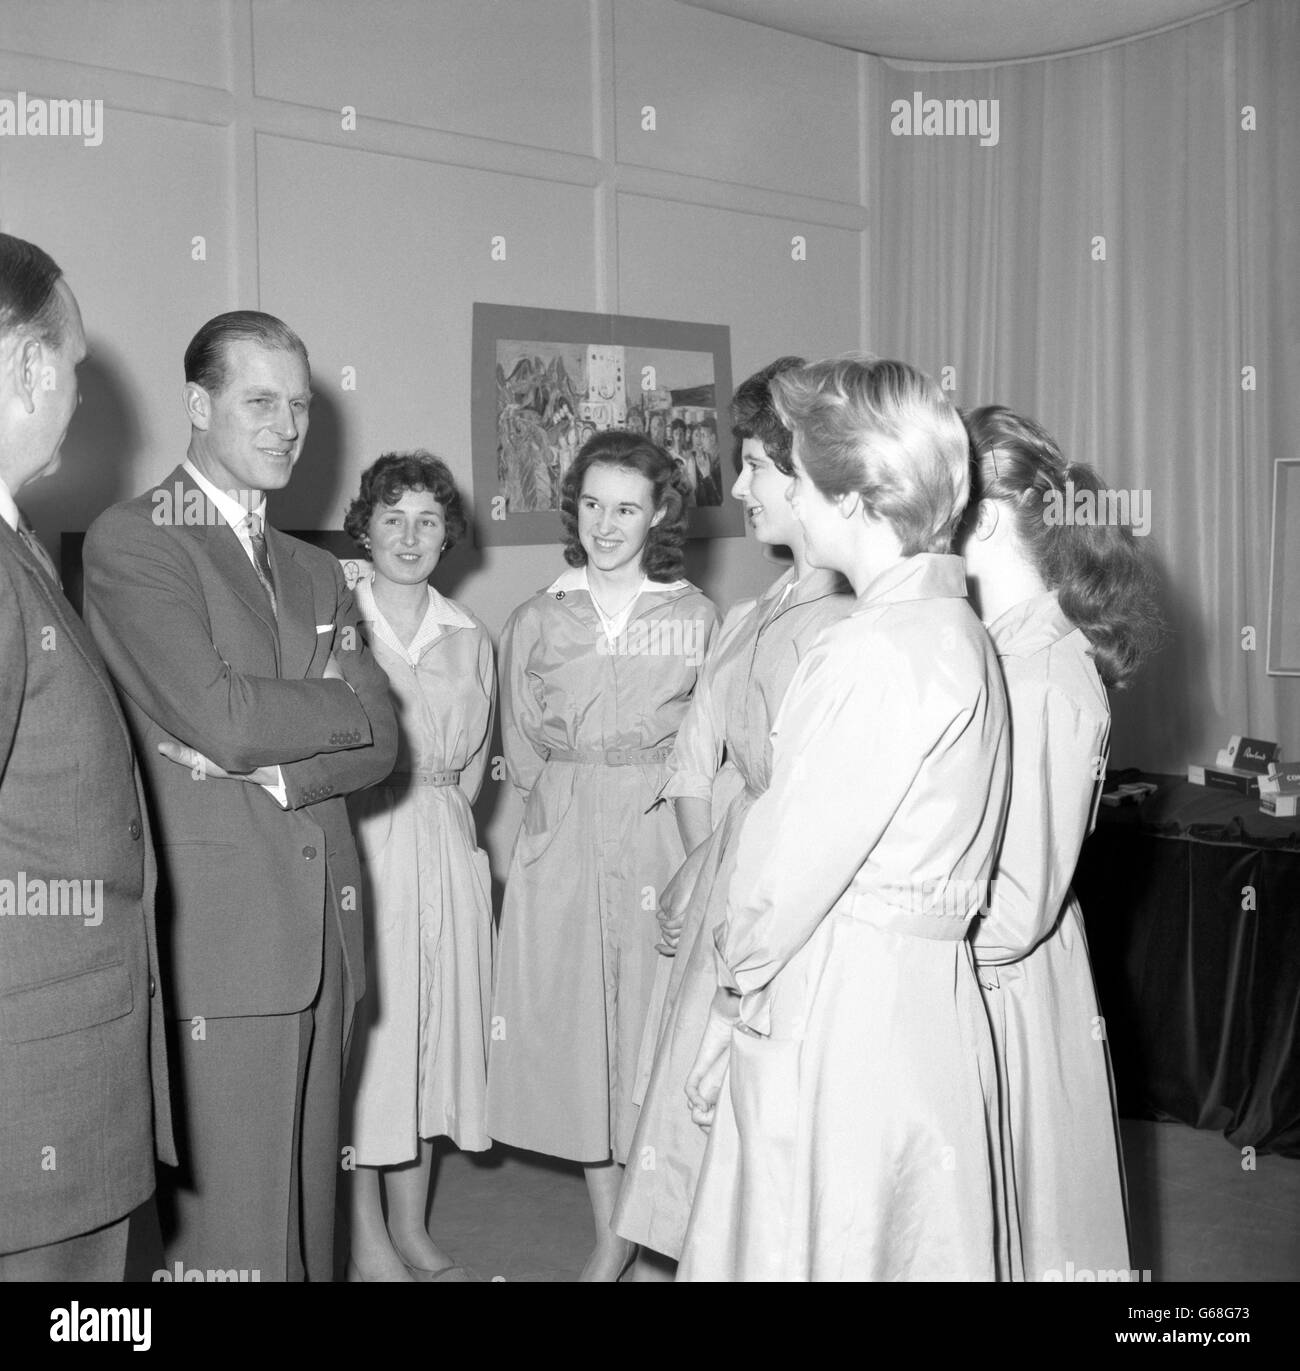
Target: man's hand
x=202 y=767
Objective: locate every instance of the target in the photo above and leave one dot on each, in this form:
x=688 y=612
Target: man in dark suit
x=256 y=707
x=83 y=1081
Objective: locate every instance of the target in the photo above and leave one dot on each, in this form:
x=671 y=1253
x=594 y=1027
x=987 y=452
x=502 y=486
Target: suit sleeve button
x=309 y=853
x=134 y=829
x=153 y=987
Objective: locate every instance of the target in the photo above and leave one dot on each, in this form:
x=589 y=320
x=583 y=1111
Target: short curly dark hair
x=390 y=477
x=661 y=559
x=754 y=415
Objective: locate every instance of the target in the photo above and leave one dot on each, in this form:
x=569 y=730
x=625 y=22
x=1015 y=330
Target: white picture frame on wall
x=1284 y=571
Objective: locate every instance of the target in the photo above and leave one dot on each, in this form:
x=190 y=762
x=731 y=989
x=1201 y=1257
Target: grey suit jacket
x=188 y=634
x=83 y=1076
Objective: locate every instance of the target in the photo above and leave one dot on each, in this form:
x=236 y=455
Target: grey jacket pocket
x=66 y=1005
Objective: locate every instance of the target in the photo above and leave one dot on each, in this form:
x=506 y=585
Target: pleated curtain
x=1111 y=266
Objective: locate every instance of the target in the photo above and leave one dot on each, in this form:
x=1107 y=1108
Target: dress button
x=559 y=595
x=309 y=852
x=133 y=828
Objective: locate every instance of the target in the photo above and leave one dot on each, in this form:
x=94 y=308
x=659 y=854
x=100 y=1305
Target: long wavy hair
x=661 y=558
x=1105 y=582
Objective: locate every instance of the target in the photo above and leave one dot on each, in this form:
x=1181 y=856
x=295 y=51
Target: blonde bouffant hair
x=885 y=431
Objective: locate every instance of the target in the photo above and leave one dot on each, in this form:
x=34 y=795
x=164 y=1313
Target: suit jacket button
x=133 y=828
x=309 y=852
x=153 y=987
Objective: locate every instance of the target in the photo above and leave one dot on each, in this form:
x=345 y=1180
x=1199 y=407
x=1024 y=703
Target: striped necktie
x=261 y=560
x=37 y=548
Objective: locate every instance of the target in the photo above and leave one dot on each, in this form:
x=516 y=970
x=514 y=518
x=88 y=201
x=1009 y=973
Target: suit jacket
x=190 y=637
x=83 y=1075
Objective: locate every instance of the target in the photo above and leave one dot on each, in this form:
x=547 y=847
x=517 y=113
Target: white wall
x=475 y=118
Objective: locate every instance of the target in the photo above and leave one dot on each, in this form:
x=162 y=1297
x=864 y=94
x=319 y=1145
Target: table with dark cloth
x=1200 y=990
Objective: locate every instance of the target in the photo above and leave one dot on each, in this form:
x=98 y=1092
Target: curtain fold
x=1109 y=267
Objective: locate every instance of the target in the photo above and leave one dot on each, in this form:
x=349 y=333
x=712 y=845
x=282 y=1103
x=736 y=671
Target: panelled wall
x=224 y=122
x=645 y=157
x=522 y=118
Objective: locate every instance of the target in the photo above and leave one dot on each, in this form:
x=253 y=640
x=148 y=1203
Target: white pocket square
x=324 y=628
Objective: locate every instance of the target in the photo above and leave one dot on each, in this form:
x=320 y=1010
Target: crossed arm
x=146 y=607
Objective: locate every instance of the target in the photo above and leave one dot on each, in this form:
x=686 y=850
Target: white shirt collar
x=575 y=578
x=233 y=511
x=440 y=612
x=8 y=507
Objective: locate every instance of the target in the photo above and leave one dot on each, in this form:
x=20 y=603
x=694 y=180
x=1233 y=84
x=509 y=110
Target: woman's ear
x=659 y=516
x=851 y=504
x=986 y=519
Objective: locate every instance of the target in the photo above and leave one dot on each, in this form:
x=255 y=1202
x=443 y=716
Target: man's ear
x=851 y=504
x=27 y=362
x=986 y=519
x=198 y=405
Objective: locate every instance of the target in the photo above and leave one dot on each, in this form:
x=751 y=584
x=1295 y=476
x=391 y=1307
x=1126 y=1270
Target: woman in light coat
x=598 y=671
x=1071 y=610
x=756 y=652
x=847 y=1071
x=419 y=1056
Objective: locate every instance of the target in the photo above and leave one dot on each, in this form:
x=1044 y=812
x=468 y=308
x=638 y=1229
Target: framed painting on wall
x=1284 y=571
x=545 y=380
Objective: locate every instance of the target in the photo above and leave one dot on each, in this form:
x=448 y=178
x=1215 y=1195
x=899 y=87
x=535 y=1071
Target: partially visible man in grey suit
x=83 y=1083
x=256 y=707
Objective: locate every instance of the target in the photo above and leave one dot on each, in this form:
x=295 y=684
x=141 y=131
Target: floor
x=1197 y=1212
x=1197 y=1215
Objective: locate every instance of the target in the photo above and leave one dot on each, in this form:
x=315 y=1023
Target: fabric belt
x=944 y=928
x=611 y=756
x=428 y=777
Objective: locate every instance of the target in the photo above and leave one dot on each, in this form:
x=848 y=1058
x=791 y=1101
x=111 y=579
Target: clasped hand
x=704 y=1081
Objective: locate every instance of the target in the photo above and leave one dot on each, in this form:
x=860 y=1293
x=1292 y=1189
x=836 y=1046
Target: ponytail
x=1104 y=581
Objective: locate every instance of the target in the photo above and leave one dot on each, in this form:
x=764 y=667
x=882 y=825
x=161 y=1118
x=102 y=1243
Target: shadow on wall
x=102 y=454
x=321 y=480
x=1181 y=713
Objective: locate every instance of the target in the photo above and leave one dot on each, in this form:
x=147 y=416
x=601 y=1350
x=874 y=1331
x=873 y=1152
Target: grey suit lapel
x=293 y=592
x=69 y=621
x=223 y=546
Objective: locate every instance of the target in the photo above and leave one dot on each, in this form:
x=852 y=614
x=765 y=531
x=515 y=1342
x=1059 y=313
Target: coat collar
x=575 y=578
x=817 y=584
x=570 y=590
x=925 y=576
x=1031 y=626
x=440 y=614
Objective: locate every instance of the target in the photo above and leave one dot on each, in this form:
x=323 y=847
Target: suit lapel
x=230 y=559
x=69 y=621
x=293 y=593
x=183 y=496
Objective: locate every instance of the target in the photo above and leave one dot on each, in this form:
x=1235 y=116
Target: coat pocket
x=544 y=813
x=66 y=1005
